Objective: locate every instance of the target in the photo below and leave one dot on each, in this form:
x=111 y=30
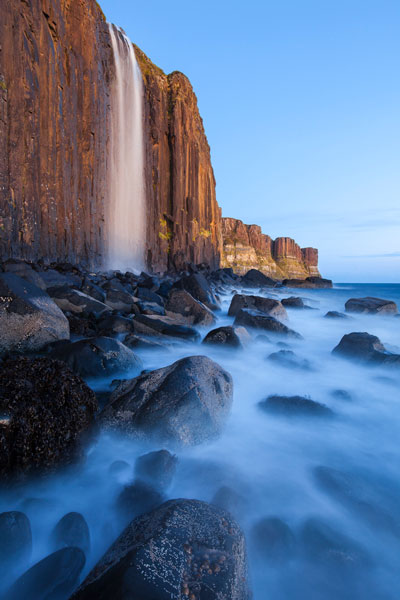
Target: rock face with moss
x=184 y=219
x=246 y=247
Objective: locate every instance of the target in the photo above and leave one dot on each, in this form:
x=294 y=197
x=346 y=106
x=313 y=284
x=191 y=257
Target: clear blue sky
x=301 y=105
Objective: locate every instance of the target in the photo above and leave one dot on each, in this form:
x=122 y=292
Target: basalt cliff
x=56 y=79
x=246 y=247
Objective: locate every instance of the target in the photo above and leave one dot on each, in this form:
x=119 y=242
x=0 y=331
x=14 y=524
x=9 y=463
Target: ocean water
x=272 y=464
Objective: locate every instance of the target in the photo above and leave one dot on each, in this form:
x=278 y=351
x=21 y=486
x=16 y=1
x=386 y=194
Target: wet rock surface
x=98 y=356
x=71 y=531
x=269 y=306
x=255 y=319
x=195 y=312
x=364 y=347
x=182 y=548
x=226 y=336
x=294 y=406
x=29 y=319
x=186 y=403
x=372 y=306
x=53 y=578
x=15 y=543
x=45 y=410
x=157 y=468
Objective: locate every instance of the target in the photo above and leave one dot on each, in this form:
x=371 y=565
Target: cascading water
x=127 y=205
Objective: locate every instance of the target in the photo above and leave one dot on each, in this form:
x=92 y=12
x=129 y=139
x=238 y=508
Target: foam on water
x=270 y=460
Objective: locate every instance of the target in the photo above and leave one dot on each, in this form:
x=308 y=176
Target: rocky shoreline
x=62 y=329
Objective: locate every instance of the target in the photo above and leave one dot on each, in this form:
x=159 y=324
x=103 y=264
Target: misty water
x=270 y=461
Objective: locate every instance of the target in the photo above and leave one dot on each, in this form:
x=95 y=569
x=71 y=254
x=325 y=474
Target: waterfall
x=126 y=218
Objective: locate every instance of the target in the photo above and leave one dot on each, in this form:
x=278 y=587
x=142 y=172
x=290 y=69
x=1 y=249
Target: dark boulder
x=144 y=293
x=273 y=540
x=71 y=531
x=290 y=360
x=135 y=499
x=227 y=336
x=76 y=301
x=198 y=287
x=372 y=306
x=93 y=290
x=324 y=544
x=163 y=326
x=53 y=279
x=99 y=356
x=341 y=395
x=53 y=578
x=29 y=319
x=15 y=543
x=294 y=406
x=157 y=468
x=148 y=308
x=334 y=314
x=137 y=341
x=294 y=302
x=24 y=270
x=255 y=278
x=82 y=325
x=195 y=312
x=186 y=402
x=45 y=410
x=113 y=324
x=120 y=300
x=255 y=319
x=182 y=549
x=269 y=306
x=362 y=346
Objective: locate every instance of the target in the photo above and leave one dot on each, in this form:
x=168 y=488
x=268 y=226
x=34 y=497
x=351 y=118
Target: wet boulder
x=24 y=270
x=273 y=540
x=233 y=337
x=53 y=578
x=157 y=468
x=15 y=543
x=99 y=356
x=294 y=302
x=341 y=395
x=198 y=287
x=324 y=544
x=294 y=406
x=93 y=290
x=195 y=312
x=334 y=314
x=185 y=403
x=45 y=410
x=164 y=326
x=143 y=293
x=371 y=306
x=76 y=301
x=29 y=319
x=53 y=279
x=71 y=531
x=289 y=360
x=254 y=319
x=138 y=341
x=269 y=306
x=364 y=347
x=120 y=300
x=114 y=324
x=137 y=498
x=255 y=278
x=182 y=549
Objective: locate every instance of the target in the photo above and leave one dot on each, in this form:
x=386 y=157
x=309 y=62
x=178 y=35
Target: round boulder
x=182 y=549
x=99 y=356
x=71 y=531
x=44 y=409
x=185 y=403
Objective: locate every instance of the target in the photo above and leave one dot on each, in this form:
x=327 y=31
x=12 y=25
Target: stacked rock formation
x=246 y=247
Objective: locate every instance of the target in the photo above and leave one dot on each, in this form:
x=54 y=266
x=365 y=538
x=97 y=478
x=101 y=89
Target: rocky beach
x=189 y=409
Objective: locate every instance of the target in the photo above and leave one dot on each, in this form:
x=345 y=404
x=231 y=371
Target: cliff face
x=184 y=219
x=246 y=247
x=55 y=63
x=56 y=71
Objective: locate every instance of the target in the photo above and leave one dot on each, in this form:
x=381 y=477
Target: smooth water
x=270 y=460
x=126 y=219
